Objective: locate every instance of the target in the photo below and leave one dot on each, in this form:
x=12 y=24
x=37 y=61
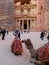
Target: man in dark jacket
x=17 y=32
x=3 y=34
x=42 y=35
x=19 y=35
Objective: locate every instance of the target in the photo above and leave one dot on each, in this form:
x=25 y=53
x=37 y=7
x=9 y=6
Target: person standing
x=3 y=33
x=17 y=32
x=48 y=34
x=42 y=35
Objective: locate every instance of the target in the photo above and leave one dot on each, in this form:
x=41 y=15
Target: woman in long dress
x=16 y=46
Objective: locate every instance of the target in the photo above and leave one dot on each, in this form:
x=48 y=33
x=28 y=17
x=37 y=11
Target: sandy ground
x=8 y=58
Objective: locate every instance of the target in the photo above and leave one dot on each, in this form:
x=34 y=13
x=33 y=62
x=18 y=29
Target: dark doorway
x=25 y=24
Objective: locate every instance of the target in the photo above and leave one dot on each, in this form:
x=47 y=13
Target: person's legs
x=3 y=37
x=48 y=37
x=42 y=38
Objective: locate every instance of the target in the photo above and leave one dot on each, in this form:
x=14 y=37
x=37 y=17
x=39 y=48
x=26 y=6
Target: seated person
x=16 y=46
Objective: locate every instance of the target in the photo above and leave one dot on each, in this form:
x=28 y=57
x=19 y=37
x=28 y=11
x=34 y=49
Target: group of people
x=44 y=33
x=17 y=47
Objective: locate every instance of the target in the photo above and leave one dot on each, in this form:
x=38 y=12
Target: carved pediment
x=22 y=1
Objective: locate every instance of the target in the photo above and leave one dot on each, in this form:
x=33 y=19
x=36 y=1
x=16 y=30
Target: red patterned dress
x=16 y=47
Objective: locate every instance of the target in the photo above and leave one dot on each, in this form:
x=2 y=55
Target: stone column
x=31 y=25
x=19 y=24
x=34 y=25
x=22 y=25
x=27 y=25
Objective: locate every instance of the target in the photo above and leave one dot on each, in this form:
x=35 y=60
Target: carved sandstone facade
x=29 y=17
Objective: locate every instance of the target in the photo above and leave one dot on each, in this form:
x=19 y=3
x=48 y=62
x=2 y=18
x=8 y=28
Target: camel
x=35 y=55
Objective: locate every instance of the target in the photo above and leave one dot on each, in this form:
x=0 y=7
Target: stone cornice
x=24 y=16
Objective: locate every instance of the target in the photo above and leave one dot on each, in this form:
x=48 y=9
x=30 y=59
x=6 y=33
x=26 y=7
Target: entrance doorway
x=25 y=24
